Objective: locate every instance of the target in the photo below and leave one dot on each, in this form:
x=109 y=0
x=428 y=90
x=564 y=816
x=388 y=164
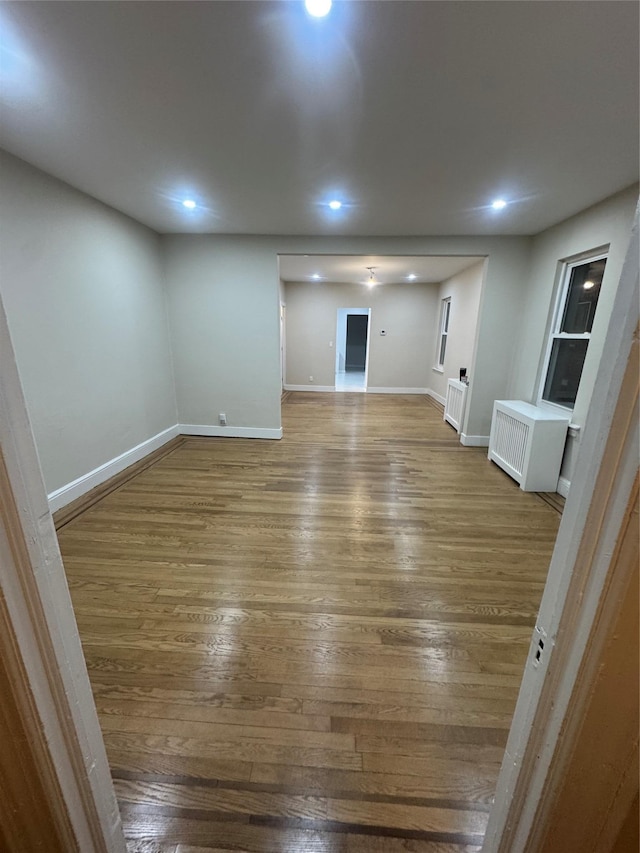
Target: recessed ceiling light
x=318 y=8
x=189 y=203
x=316 y=276
x=335 y=204
x=499 y=204
x=412 y=276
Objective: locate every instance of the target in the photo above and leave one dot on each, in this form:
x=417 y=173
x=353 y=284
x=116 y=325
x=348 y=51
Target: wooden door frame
x=581 y=598
x=59 y=794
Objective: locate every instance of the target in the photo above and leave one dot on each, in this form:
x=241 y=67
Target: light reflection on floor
x=351 y=381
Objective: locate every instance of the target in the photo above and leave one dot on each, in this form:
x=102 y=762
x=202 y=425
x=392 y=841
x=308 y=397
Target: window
x=571 y=330
x=445 y=311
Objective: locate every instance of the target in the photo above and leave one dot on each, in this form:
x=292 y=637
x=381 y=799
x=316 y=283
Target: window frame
x=445 y=321
x=554 y=333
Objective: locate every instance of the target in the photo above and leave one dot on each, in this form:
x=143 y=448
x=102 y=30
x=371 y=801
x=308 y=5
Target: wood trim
x=583 y=589
x=597 y=736
x=32 y=813
x=628 y=840
x=623 y=562
x=435 y=403
x=60 y=760
x=67 y=513
x=621 y=444
x=27 y=604
x=554 y=500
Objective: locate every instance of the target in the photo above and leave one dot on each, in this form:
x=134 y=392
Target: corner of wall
x=169 y=328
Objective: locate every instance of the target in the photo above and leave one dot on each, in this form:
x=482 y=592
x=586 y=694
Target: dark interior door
x=356 y=354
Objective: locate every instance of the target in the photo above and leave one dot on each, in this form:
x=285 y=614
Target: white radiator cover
x=528 y=442
x=455 y=403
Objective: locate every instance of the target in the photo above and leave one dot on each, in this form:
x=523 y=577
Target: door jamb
x=576 y=612
x=50 y=694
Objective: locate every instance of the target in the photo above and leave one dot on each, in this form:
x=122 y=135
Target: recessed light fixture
x=335 y=204
x=316 y=276
x=412 y=276
x=189 y=203
x=499 y=204
x=318 y=8
x=588 y=285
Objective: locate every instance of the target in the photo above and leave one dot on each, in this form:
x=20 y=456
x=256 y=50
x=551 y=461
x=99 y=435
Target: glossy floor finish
x=352 y=381
x=315 y=644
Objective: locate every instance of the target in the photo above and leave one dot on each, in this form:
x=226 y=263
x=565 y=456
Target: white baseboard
x=228 y=431
x=64 y=495
x=563 y=487
x=377 y=390
x=437 y=397
x=370 y=390
x=309 y=387
x=474 y=440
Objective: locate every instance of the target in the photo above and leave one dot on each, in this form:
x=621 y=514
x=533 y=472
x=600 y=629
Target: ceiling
x=416 y=115
x=352 y=269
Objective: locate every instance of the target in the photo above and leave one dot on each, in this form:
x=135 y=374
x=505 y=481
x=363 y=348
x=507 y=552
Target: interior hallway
x=353 y=380
x=313 y=644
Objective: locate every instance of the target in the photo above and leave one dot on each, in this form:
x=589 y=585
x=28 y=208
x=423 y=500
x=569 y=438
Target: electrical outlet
x=311 y=379
x=538 y=649
x=222 y=419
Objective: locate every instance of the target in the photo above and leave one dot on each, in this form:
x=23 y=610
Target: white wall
x=224 y=299
x=82 y=286
x=283 y=336
x=607 y=223
x=224 y=295
x=501 y=301
x=83 y=290
x=341 y=340
x=464 y=290
x=399 y=359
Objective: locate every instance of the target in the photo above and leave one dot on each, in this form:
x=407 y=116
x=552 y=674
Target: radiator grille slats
x=454 y=403
x=511 y=438
x=528 y=442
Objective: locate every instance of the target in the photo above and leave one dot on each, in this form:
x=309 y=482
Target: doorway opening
x=352 y=349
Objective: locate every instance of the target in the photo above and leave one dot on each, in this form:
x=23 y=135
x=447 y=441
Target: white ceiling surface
x=417 y=114
x=352 y=269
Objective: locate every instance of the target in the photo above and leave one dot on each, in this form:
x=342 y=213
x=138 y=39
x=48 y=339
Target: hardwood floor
x=314 y=644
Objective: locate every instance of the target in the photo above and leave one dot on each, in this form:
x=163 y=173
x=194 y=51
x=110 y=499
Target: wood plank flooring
x=314 y=644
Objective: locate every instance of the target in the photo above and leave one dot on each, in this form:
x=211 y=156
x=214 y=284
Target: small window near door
x=445 y=311
x=571 y=330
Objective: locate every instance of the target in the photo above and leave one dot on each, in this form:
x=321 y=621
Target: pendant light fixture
x=371 y=281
